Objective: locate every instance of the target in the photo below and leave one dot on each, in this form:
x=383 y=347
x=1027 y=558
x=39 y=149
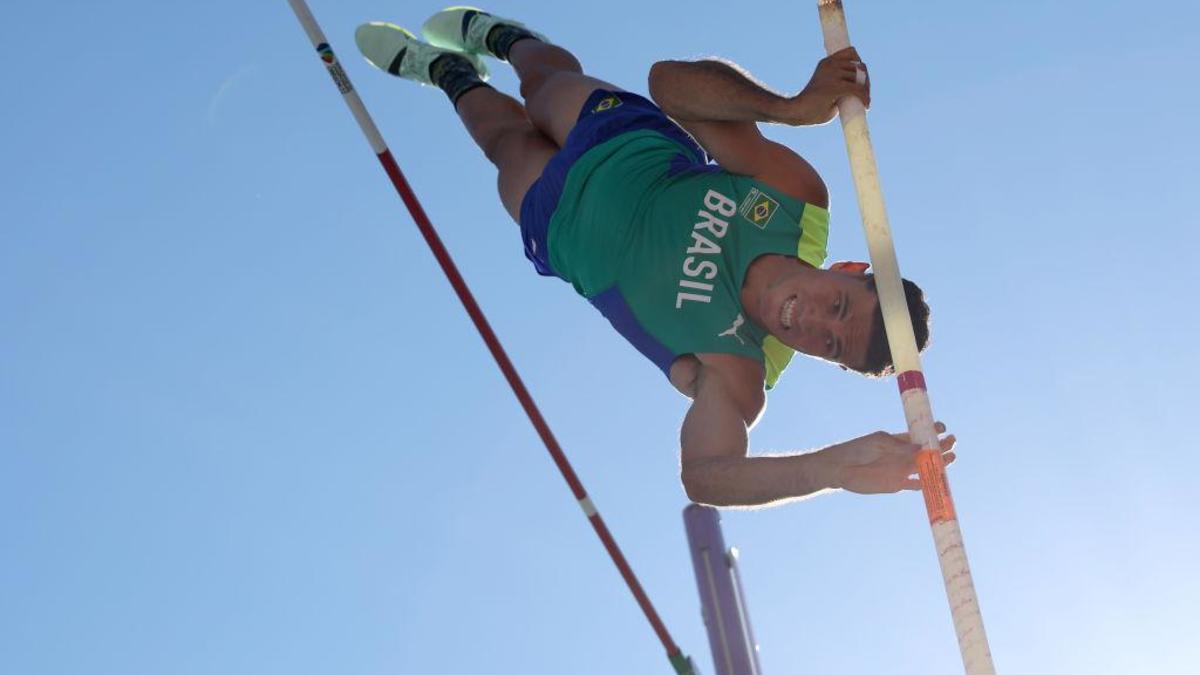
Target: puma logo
x=732 y=332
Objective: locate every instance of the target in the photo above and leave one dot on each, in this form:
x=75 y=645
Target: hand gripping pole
x=681 y=663
x=964 y=606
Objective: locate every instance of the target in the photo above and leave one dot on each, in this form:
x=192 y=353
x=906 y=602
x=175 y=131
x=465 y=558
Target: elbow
x=691 y=488
x=657 y=79
x=697 y=486
x=656 y=73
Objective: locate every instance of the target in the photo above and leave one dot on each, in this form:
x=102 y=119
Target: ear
x=856 y=269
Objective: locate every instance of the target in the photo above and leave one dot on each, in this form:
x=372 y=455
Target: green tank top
x=660 y=243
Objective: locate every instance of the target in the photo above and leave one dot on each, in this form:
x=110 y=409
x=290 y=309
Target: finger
x=911 y=484
x=948 y=458
x=863 y=92
x=858 y=69
x=852 y=68
x=939 y=427
x=948 y=443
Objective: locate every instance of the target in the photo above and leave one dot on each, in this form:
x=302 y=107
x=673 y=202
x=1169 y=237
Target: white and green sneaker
x=466 y=29
x=393 y=49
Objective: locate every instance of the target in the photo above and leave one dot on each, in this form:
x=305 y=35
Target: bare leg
x=502 y=129
x=553 y=85
x=518 y=139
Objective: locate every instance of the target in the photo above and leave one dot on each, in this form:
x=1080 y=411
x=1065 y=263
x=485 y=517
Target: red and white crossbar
x=681 y=663
x=964 y=605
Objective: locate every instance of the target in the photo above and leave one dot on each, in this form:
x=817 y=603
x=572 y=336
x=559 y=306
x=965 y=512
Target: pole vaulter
x=681 y=663
x=952 y=555
x=460 y=76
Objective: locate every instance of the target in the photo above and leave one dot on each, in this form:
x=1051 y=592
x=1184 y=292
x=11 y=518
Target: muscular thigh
x=521 y=156
x=554 y=105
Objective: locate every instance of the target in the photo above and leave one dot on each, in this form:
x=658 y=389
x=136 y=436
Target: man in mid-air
x=711 y=270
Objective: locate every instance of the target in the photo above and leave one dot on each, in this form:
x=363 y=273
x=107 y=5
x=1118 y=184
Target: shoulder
x=737 y=377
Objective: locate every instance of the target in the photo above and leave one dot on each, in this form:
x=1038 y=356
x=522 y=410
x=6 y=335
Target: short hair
x=879 y=354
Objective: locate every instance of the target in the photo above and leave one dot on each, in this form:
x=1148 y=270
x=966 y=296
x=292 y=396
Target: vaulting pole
x=964 y=605
x=681 y=663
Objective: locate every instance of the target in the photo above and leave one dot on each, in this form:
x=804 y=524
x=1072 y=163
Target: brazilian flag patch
x=759 y=208
x=606 y=103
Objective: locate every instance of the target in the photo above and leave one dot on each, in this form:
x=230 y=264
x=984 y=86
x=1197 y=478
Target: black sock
x=501 y=39
x=455 y=75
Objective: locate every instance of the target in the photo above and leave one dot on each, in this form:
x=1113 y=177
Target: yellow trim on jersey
x=776 y=357
x=814 y=237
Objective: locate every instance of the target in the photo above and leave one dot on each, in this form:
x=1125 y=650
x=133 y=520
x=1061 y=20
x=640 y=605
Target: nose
x=816 y=325
x=815 y=332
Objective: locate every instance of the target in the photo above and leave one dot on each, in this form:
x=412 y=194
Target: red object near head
x=849 y=267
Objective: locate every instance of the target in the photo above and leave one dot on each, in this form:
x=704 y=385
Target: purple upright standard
x=721 y=599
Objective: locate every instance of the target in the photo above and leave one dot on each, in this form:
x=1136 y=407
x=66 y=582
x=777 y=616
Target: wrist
x=801 y=110
x=781 y=110
x=828 y=468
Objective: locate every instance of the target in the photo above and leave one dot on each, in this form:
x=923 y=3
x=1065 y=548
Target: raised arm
x=720 y=106
x=719 y=91
x=716 y=469
x=714 y=91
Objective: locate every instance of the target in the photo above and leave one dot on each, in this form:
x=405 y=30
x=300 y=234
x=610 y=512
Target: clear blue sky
x=246 y=428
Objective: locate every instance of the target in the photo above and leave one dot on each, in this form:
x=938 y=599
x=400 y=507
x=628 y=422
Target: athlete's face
x=822 y=313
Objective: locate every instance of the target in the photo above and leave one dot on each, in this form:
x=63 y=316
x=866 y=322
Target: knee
x=557 y=61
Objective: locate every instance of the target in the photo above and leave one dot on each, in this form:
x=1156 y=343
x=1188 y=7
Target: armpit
x=741 y=378
x=685 y=371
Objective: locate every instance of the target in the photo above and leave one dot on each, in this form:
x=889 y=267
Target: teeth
x=785 y=314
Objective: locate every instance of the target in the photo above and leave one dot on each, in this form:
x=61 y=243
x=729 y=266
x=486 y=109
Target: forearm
x=712 y=91
x=757 y=481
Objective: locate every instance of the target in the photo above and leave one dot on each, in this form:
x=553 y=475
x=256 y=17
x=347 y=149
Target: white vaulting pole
x=964 y=605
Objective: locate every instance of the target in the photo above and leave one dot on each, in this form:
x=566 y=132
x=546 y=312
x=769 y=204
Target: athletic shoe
x=466 y=29
x=390 y=48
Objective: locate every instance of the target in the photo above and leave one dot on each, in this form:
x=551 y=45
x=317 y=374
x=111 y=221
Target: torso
x=665 y=264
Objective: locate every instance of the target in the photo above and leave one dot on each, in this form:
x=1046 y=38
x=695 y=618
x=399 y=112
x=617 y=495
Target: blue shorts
x=604 y=116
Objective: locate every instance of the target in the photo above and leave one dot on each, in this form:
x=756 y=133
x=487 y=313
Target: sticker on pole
x=335 y=68
x=935 y=487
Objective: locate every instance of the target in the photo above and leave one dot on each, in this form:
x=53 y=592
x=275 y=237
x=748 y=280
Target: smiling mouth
x=787 y=312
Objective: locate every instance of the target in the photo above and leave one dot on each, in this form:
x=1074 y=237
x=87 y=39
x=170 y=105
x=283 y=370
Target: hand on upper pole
x=881 y=462
x=837 y=76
